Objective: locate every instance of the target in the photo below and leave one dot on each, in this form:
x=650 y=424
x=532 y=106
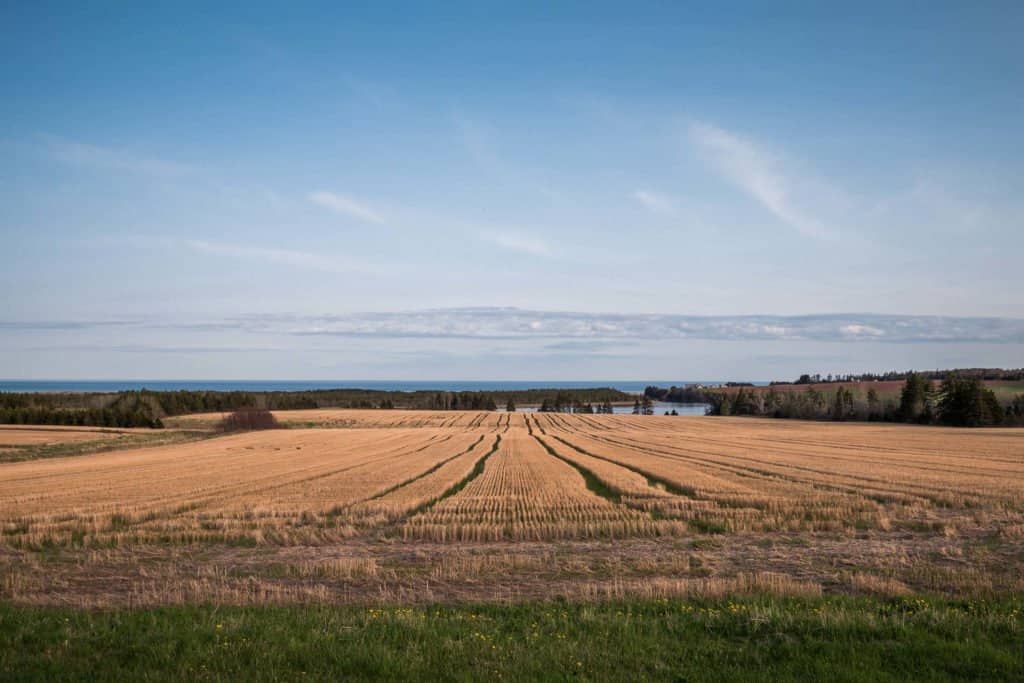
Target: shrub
x=249 y=419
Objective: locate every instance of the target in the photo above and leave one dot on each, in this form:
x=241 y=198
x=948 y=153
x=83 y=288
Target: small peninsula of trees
x=690 y=393
x=566 y=404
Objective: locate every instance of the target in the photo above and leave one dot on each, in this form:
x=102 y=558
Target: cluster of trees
x=462 y=400
x=985 y=374
x=594 y=396
x=643 y=406
x=961 y=401
x=566 y=403
x=690 y=393
x=1015 y=410
x=129 y=410
x=146 y=408
x=183 y=402
x=249 y=419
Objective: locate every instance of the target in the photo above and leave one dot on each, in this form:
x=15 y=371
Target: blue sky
x=509 y=191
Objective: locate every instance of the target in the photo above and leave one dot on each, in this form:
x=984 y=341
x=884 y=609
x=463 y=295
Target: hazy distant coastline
x=56 y=385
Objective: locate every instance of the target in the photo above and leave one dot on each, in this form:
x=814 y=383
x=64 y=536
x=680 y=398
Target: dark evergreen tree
x=915 y=399
x=966 y=402
x=873 y=403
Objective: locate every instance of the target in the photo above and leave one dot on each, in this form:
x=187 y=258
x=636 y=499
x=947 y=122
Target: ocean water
x=635 y=387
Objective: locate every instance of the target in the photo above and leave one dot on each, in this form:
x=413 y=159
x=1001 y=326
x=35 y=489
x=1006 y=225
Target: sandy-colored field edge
x=30 y=435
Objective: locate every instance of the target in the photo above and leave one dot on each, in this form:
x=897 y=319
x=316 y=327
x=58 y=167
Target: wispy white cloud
x=514 y=323
x=518 y=242
x=346 y=206
x=112 y=159
x=289 y=257
x=860 y=330
x=655 y=202
x=580 y=328
x=759 y=174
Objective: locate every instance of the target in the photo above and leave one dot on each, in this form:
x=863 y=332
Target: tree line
x=564 y=402
x=959 y=401
x=128 y=410
x=145 y=408
x=984 y=374
x=690 y=393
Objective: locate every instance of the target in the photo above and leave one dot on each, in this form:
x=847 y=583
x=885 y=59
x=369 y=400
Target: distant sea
x=634 y=387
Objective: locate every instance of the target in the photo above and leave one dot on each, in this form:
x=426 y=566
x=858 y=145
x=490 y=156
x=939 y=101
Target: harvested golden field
x=18 y=442
x=347 y=505
x=18 y=436
x=367 y=419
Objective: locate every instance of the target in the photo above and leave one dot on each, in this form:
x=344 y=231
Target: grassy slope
x=765 y=638
x=102 y=444
x=1006 y=391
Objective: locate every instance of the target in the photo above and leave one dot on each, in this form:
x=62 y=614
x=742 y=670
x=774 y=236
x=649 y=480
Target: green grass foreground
x=763 y=638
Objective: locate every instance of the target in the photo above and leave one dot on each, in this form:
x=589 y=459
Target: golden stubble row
x=475 y=476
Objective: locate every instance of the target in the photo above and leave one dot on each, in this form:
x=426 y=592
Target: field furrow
x=525 y=493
